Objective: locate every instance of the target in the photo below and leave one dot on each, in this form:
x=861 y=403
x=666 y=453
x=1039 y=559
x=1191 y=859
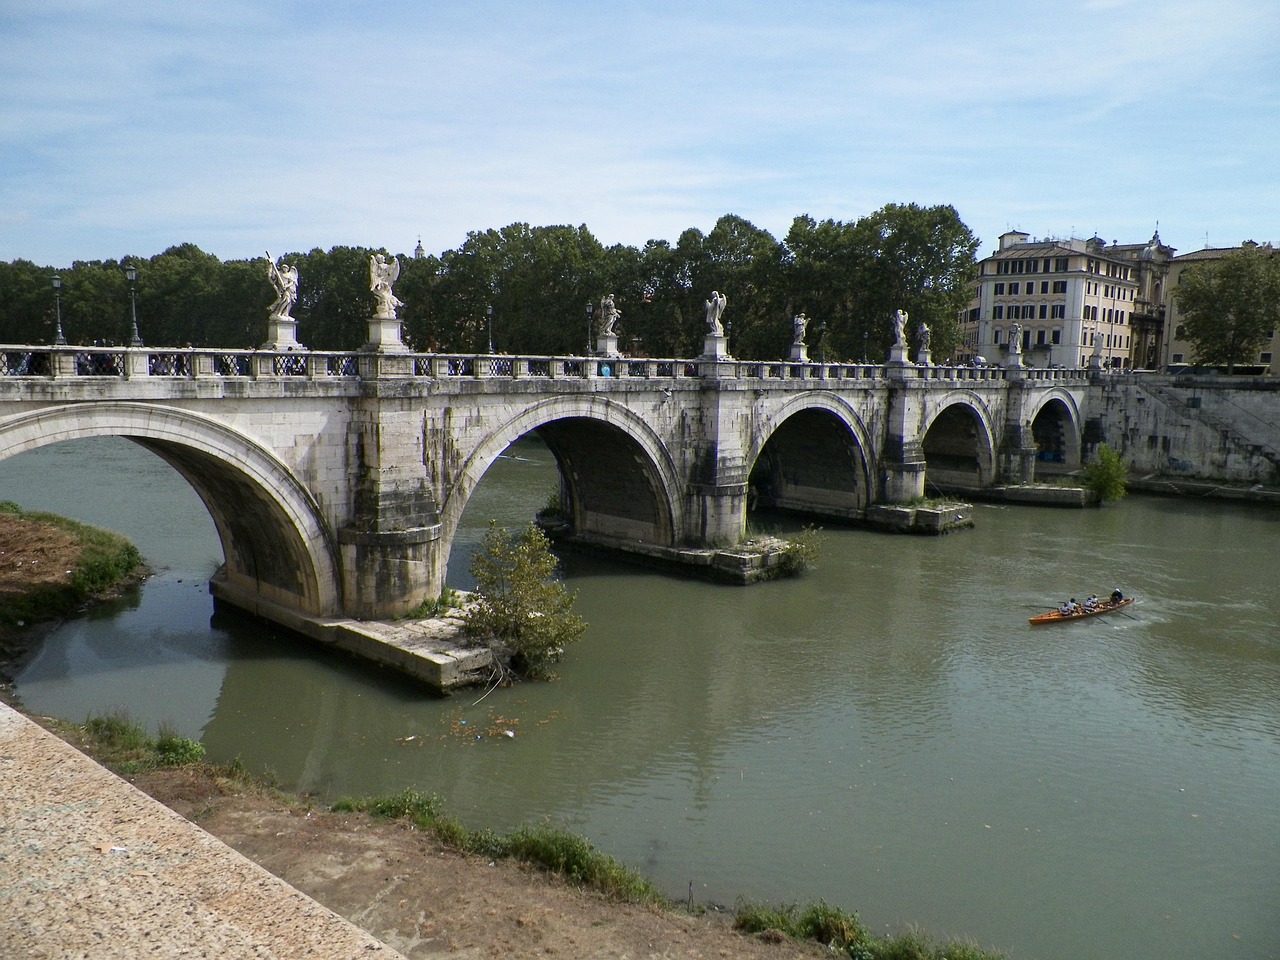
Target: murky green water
x=886 y=733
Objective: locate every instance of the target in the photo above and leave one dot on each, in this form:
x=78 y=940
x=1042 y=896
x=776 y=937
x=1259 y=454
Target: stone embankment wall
x=1203 y=427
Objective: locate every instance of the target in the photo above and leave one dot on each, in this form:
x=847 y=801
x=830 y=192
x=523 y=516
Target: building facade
x=1069 y=302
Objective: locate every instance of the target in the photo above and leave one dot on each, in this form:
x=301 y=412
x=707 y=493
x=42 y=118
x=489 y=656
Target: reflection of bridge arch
x=957 y=443
x=1055 y=427
x=810 y=454
x=275 y=541
x=619 y=476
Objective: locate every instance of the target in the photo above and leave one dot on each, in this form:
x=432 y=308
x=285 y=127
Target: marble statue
x=799 y=324
x=923 y=333
x=284 y=277
x=381 y=276
x=609 y=314
x=899 y=328
x=1015 y=337
x=715 y=308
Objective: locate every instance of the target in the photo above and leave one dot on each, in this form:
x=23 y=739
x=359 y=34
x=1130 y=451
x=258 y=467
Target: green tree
x=1107 y=476
x=918 y=259
x=1230 y=306
x=521 y=609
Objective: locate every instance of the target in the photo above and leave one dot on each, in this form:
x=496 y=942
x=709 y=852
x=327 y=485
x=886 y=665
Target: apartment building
x=1070 y=302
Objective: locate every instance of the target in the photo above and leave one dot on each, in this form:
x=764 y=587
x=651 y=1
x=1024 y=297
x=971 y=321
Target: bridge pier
x=391 y=546
x=1016 y=463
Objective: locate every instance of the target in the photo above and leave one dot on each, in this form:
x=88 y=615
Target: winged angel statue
x=381 y=276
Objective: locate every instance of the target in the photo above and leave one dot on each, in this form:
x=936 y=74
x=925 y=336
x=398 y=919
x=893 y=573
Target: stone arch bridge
x=336 y=481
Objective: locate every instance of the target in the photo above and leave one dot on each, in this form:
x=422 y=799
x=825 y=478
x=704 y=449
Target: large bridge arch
x=958 y=444
x=275 y=542
x=811 y=455
x=1056 y=429
x=621 y=479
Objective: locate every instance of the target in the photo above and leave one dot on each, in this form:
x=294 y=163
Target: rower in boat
x=1067 y=608
x=1091 y=603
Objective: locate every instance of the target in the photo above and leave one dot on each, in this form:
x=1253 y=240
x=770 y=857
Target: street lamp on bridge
x=131 y=274
x=488 y=312
x=591 y=312
x=58 y=338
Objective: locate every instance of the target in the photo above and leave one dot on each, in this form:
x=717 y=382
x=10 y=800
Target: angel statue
x=1015 y=337
x=284 y=277
x=381 y=276
x=799 y=324
x=922 y=332
x=900 y=328
x=609 y=314
x=715 y=307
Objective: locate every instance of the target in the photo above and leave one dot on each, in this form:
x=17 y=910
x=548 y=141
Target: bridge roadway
x=336 y=480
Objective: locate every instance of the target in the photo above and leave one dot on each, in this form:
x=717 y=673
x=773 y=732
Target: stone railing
x=196 y=363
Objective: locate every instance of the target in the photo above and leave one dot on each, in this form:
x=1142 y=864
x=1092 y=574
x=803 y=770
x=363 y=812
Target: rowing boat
x=1104 y=606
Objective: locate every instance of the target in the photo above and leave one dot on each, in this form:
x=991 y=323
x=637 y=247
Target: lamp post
x=488 y=312
x=131 y=274
x=591 y=312
x=822 y=341
x=58 y=338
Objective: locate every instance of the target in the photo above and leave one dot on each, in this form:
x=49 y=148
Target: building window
x=1264 y=358
x=1040 y=338
x=1061 y=264
x=1058 y=311
x=1057 y=335
x=1044 y=311
x=1059 y=286
x=1177 y=358
x=999 y=291
x=1044 y=286
x=996 y=336
x=997 y=313
x=1180 y=332
x=1013 y=289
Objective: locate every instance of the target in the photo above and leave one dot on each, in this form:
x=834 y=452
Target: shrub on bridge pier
x=520 y=609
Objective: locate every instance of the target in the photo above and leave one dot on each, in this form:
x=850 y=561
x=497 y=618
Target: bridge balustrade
x=201 y=363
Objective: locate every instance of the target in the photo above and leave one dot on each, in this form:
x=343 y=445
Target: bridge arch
x=620 y=478
x=1055 y=428
x=275 y=542
x=958 y=444
x=810 y=455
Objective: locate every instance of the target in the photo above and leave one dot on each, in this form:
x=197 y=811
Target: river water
x=886 y=732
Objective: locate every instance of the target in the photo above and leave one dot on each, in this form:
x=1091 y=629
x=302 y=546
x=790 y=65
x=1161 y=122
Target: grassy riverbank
x=342 y=856
x=50 y=565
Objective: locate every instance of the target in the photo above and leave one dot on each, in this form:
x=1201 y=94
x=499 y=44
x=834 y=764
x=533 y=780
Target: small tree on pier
x=521 y=610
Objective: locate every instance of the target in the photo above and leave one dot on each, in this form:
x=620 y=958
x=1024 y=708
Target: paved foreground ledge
x=92 y=867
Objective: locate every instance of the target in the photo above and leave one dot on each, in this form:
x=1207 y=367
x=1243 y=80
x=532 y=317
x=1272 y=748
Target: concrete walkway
x=91 y=867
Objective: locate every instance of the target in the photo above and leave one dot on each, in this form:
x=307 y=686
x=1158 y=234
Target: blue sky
x=249 y=125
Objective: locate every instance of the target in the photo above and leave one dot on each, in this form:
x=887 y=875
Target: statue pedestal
x=384 y=336
x=715 y=347
x=799 y=353
x=607 y=345
x=898 y=354
x=282 y=334
x=924 y=358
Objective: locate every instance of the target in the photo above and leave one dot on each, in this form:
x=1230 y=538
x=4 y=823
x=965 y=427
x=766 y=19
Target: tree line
x=528 y=288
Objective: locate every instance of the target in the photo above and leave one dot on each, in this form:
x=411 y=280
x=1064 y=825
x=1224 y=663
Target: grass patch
x=544 y=846
x=124 y=746
x=844 y=934
x=103 y=560
x=449 y=599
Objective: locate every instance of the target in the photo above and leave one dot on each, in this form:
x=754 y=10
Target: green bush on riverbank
x=105 y=560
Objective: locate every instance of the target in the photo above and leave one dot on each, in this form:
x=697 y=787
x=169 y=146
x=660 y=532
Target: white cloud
x=314 y=125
